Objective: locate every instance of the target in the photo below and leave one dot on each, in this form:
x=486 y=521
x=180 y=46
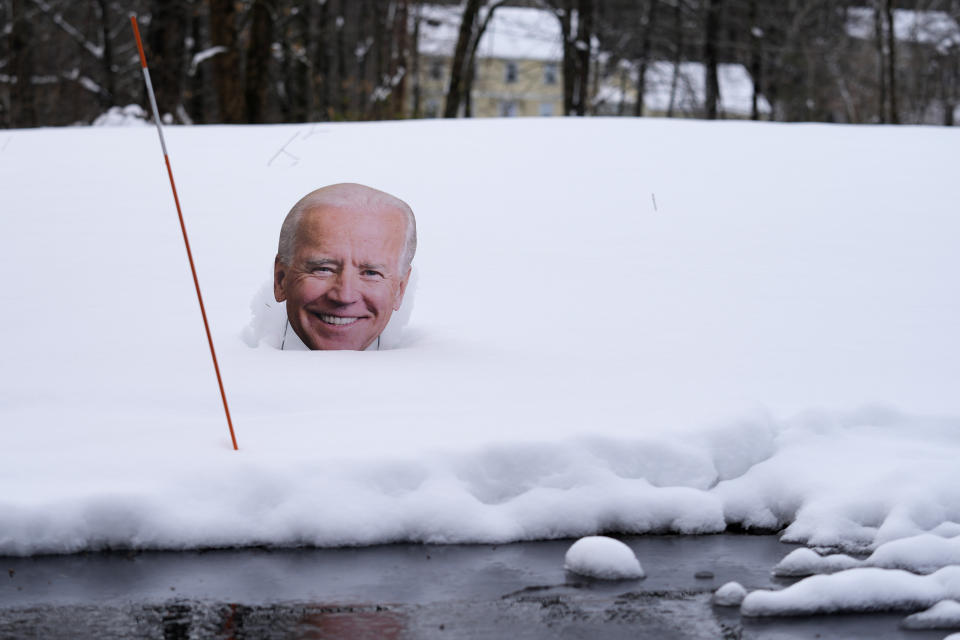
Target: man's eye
x=371 y=273
x=322 y=270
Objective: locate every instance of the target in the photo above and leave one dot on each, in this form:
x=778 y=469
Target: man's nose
x=345 y=288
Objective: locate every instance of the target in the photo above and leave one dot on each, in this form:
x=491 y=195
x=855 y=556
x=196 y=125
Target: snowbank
x=746 y=324
x=922 y=553
x=856 y=590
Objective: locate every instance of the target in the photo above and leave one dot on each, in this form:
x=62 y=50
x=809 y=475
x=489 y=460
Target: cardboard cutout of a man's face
x=344 y=280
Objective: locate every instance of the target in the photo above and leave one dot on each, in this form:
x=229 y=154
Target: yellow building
x=517 y=70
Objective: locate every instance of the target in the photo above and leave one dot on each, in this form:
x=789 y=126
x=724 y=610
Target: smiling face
x=344 y=279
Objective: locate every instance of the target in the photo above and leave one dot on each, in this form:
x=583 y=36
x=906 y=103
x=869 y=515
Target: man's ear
x=279 y=276
x=401 y=290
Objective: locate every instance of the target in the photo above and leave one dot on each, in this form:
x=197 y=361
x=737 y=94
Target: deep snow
x=772 y=343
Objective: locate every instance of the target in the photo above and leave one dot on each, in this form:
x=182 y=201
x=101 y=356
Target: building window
x=550 y=73
x=546 y=109
x=436 y=69
x=508 y=109
x=510 y=72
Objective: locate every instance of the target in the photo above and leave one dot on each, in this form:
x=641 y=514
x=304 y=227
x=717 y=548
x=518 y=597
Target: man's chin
x=321 y=338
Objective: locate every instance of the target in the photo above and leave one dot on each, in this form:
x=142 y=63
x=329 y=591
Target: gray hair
x=346 y=195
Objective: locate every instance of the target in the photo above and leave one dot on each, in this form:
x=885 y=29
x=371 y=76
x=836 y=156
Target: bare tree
x=24 y=113
x=576 y=19
x=711 y=35
x=259 y=53
x=678 y=45
x=454 y=89
x=471 y=65
x=584 y=47
x=642 y=60
x=756 y=58
x=166 y=37
x=227 y=75
x=888 y=67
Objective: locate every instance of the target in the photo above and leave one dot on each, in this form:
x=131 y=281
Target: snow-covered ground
x=619 y=325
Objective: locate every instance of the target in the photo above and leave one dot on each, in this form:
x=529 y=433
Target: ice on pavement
x=730 y=594
x=603 y=558
x=773 y=347
x=943 y=615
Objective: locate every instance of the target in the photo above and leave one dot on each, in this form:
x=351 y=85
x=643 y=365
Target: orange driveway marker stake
x=183 y=227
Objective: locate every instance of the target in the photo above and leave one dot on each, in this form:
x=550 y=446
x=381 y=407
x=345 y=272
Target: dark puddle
x=407 y=591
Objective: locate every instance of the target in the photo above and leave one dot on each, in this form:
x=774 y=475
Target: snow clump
x=943 y=615
x=730 y=595
x=856 y=590
x=806 y=562
x=130 y=115
x=924 y=553
x=604 y=558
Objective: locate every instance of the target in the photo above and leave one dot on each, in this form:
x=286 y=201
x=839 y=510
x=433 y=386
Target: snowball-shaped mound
x=729 y=595
x=943 y=615
x=604 y=558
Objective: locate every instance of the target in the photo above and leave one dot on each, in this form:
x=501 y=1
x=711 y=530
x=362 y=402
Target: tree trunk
x=454 y=90
x=677 y=54
x=399 y=60
x=373 y=108
x=165 y=40
x=470 y=70
x=23 y=96
x=258 y=59
x=569 y=56
x=342 y=79
x=197 y=83
x=878 y=22
x=227 y=77
x=711 y=82
x=756 y=68
x=584 y=46
x=415 y=61
x=322 y=71
x=109 y=80
x=891 y=48
x=307 y=72
x=649 y=21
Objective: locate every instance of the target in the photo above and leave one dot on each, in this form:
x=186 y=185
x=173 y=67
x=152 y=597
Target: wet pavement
x=408 y=591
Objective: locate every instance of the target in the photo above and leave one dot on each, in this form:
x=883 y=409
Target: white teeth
x=337 y=319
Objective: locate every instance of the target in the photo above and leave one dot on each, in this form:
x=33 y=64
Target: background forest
x=65 y=62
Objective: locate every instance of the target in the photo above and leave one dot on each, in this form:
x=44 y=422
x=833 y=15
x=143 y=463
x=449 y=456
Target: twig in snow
x=654 y=198
x=283 y=149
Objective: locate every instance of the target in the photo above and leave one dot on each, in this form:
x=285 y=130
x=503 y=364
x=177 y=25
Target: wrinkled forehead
x=377 y=232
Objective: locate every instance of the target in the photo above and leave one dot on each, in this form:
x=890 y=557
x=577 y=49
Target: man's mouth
x=337 y=320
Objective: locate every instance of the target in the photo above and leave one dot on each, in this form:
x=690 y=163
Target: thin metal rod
x=183 y=227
